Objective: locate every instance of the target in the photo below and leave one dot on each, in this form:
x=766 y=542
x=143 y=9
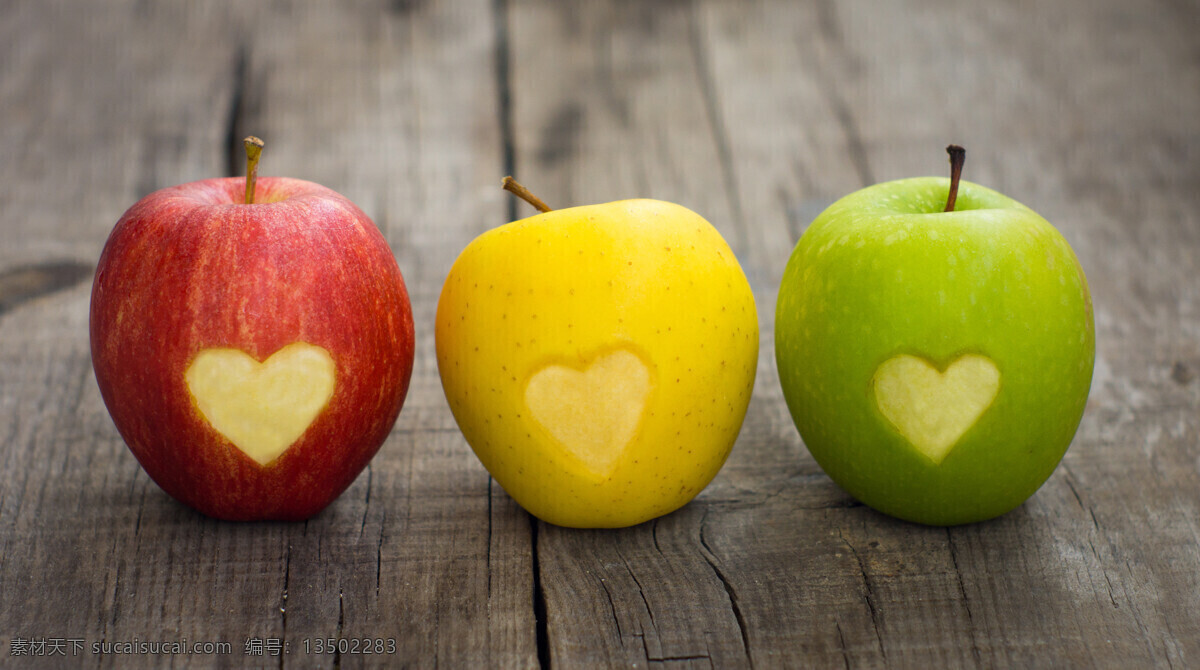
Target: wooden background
x=755 y=114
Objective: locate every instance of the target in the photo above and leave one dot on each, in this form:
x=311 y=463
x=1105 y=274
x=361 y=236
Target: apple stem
x=513 y=186
x=254 y=147
x=958 y=156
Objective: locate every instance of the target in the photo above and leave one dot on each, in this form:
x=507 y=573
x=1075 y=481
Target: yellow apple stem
x=958 y=156
x=513 y=186
x=254 y=147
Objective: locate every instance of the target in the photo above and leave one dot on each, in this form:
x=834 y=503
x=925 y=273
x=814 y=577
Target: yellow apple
x=599 y=359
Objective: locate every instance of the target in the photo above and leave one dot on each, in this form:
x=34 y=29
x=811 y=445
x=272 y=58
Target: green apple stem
x=254 y=147
x=513 y=186
x=958 y=156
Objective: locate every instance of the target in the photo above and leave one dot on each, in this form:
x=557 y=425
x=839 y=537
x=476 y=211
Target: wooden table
x=755 y=114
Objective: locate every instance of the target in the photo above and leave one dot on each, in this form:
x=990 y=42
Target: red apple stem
x=958 y=156
x=513 y=186
x=254 y=147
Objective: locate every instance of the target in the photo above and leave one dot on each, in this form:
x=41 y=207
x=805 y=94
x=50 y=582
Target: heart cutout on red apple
x=262 y=408
x=592 y=412
x=932 y=409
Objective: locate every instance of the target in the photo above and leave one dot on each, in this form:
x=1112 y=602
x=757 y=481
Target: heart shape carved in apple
x=594 y=412
x=262 y=408
x=932 y=409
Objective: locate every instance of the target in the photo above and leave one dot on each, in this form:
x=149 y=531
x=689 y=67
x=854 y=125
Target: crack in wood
x=137 y=526
x=962 y=589
x=650 y=658
x=337 y=650
x=868 y=594
x=379 y=551
x=1137 y=618
x=612 y=607
x=842 y=644
x=105 y=622
x=641 y=592
x=287 y=574
x=720 y=132
x=235 y=158
x=503 y=54
x=116 y=606
x=710 y=557
x=1069 y=479
x=539 y=599
x=1074 y=492
x=366 y=503
x=645 y=647
x=1111 y=597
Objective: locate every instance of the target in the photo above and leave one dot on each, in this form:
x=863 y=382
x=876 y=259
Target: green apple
x=936 y=363
x=599 y=359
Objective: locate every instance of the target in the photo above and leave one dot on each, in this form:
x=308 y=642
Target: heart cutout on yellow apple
x=930 y=408
x=262 y=408
x=593 y=413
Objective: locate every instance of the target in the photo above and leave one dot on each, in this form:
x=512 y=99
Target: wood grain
x=777 y=110
x=755 y=114
x=422 y=548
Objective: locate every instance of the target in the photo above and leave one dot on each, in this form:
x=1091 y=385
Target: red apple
x=254 y=357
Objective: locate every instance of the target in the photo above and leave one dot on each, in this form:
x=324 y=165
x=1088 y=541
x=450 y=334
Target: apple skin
x=884 y=272
x=189 y=268
x=567 y=286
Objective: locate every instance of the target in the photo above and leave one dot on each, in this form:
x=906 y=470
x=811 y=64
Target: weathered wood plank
x=755 y=114
x=416 y=146
x=92 y=550
x=760 y=114
x=609 y=102
x=391 y=104
x=1030 y=595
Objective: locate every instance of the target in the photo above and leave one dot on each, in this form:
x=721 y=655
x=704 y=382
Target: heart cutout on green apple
x=932 y=409
x=262 y=408
x=594 y=412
